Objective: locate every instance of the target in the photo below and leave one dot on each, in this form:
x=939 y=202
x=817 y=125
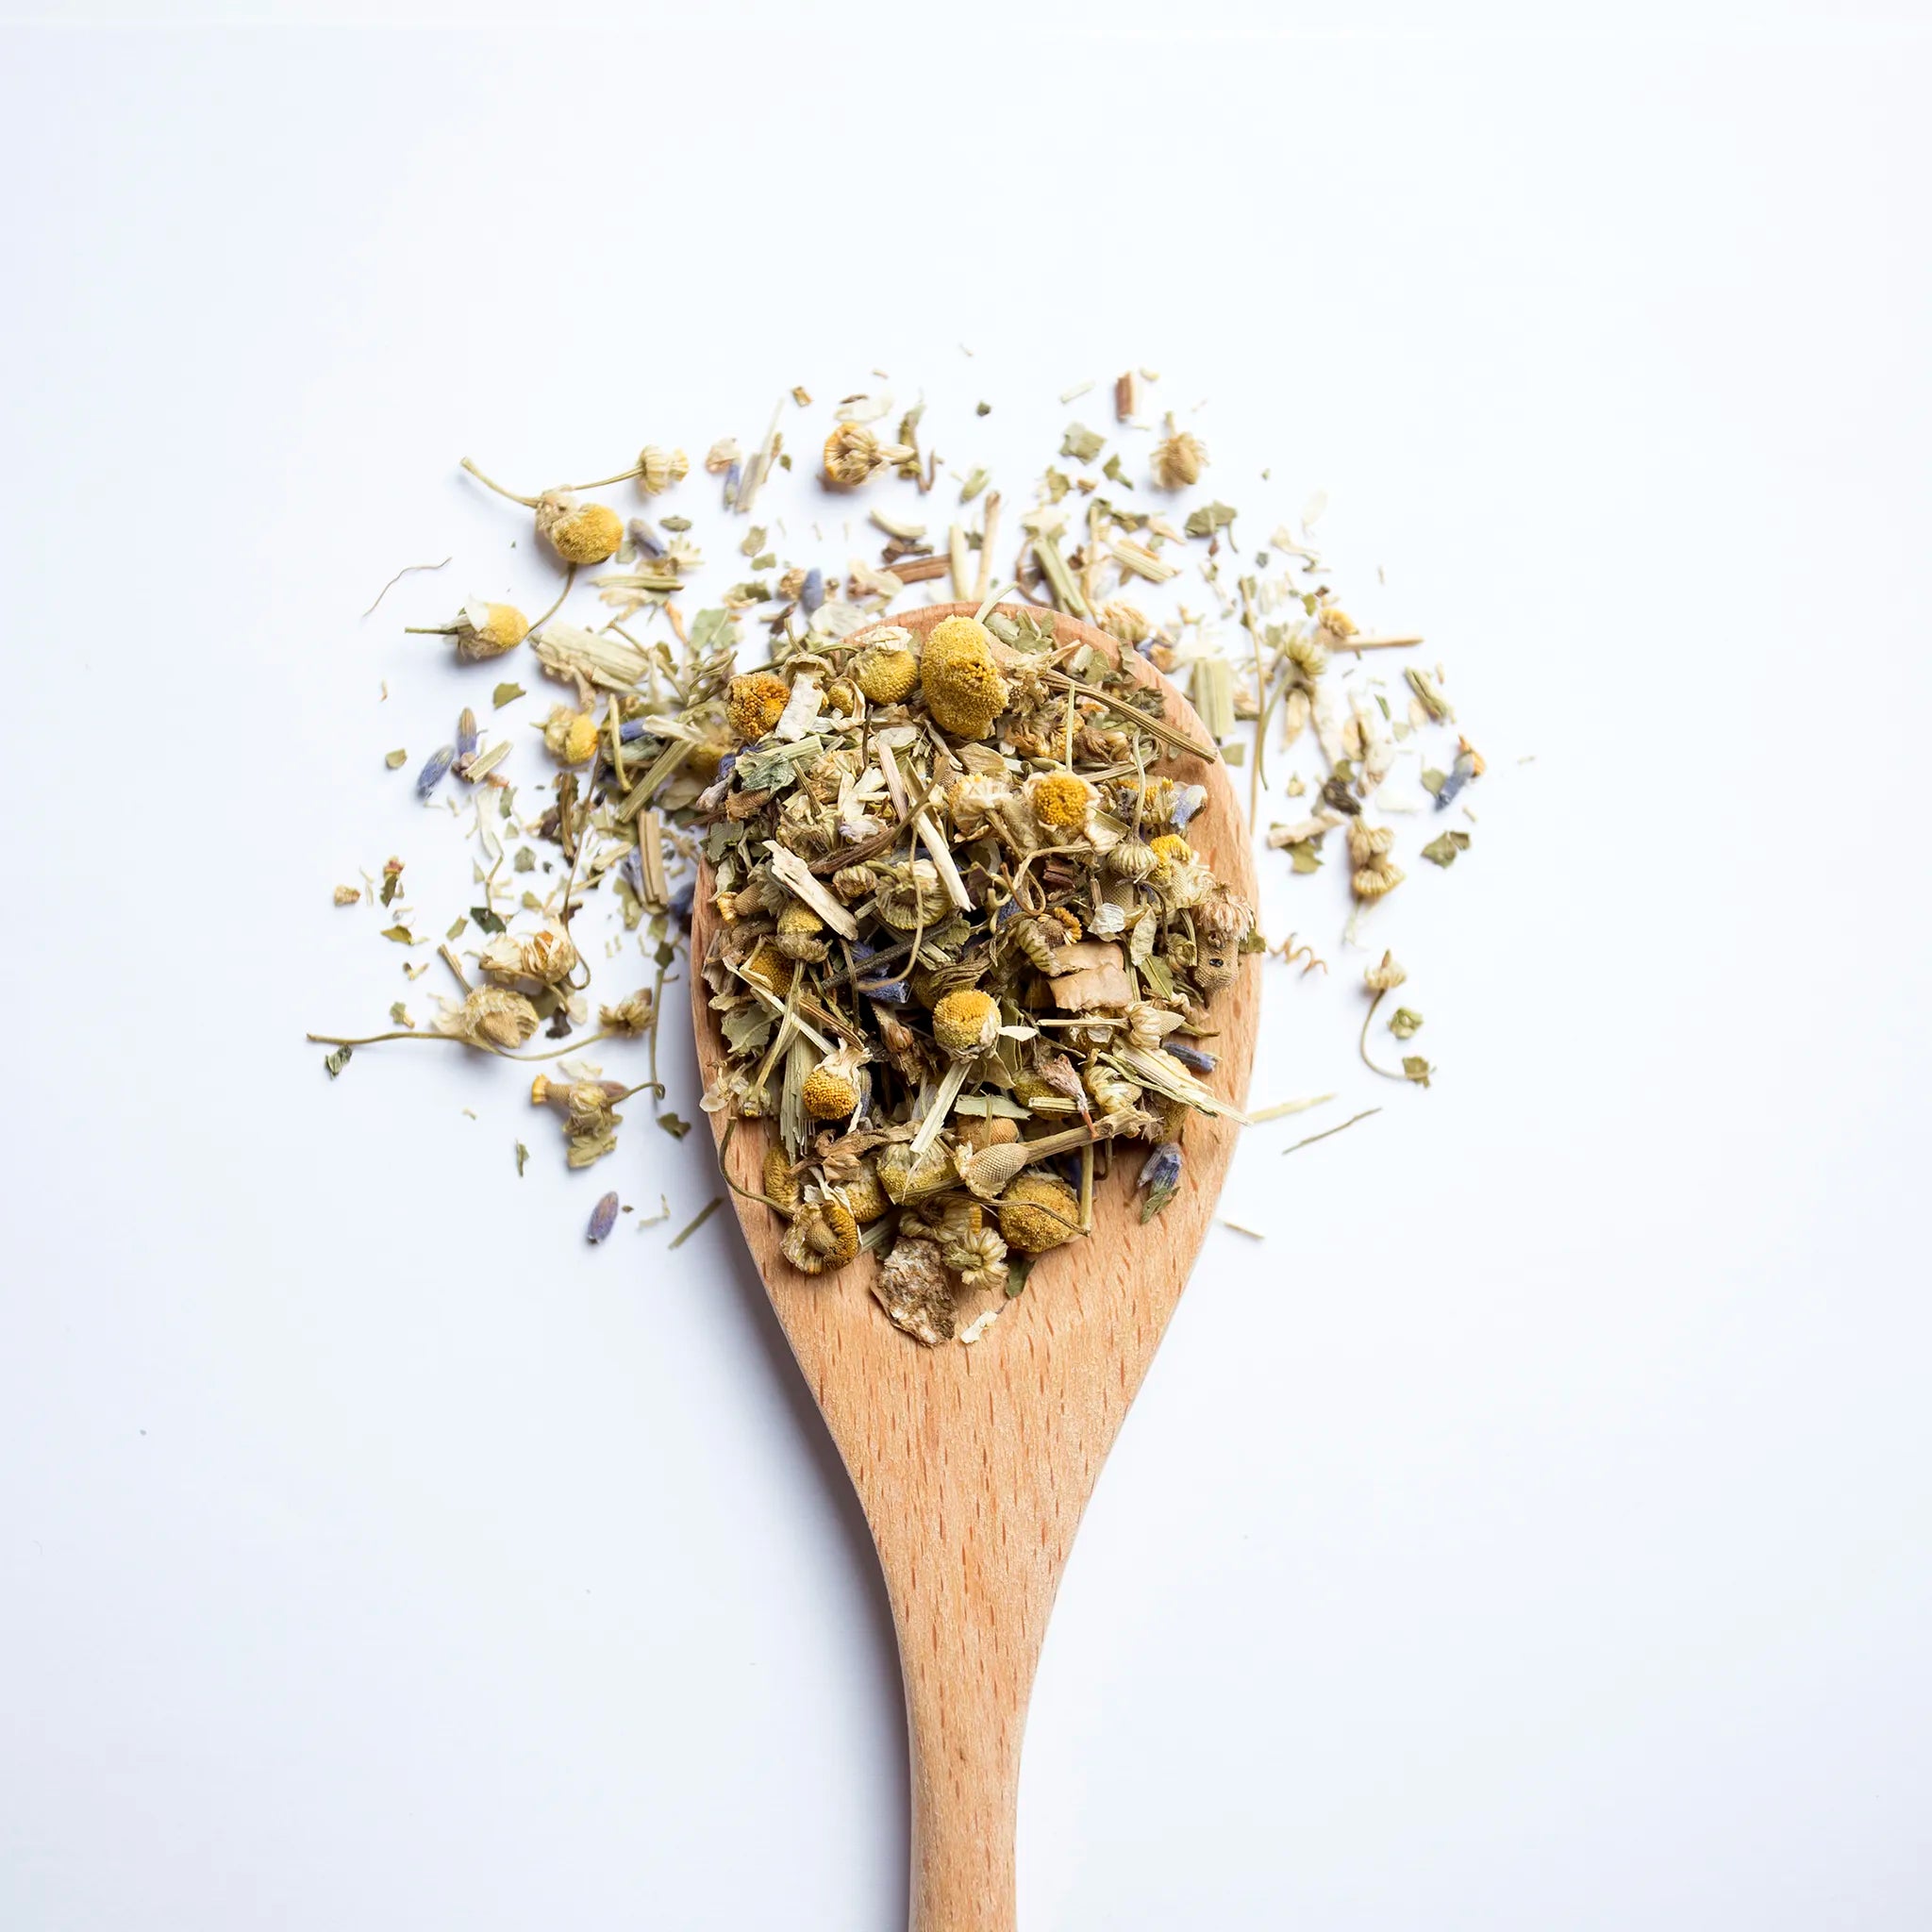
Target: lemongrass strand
x=490 y=483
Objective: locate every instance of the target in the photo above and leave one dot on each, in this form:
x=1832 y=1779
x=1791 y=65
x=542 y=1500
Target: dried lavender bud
x=602 y=1219
x=435 y=770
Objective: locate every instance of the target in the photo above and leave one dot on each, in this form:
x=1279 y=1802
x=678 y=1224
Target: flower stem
x=1363 y=1043
x=489 y=483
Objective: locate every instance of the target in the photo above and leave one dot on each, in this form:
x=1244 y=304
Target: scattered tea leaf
x=1443 y=850
x=506 y=693
x=337 y=1060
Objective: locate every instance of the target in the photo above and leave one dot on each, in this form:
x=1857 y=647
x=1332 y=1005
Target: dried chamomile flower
x=966 y=1023
x=781 y=1185
x=831 y=1091
x=863 y=1194
x=1374 y=873
x=481 y=630
x=854 y=454
x=886 y=670
x=578 y=532
x=801 y=933
x=547 y=956
x=975 y=1253
x=1060 y=802
x=912 y=1288
x=589 y=1114
x=1037 y=1211
x=490 y=1016
x=1388 y=975
x=822 y=1236
x=658 y=469
x=1178 y=458
x=1131 y=862
x=754 y=704
x=1225 y=916
x=632 y=1017
x=960 y=677
x=569 y=737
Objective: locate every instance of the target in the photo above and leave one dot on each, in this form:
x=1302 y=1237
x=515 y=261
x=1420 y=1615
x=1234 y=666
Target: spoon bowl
x=973 y=1463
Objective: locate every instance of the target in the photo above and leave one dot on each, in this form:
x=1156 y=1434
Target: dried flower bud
x=1131 y=861
x=630 y=1017
x=754 y=704
x=658 y=469
x=960 y=677
x=491 y=1016
x=1223 y=917
x=978 y=1257
x=602 y=1219
x=722 y=455
x=1368 y=842
x=1387 y=977
x=569 y=737
x=1178 y=458
x=822 y=1236
x=966 y=1023
x=853 y=883
x=886 y=671
x=780 y=1183
x=1060 y=802
x=1372 y=881
x=579 y=533
x=488 y=630
x=853 y=454
x=799 y=930
x=545 y=956
x=1037 y=1211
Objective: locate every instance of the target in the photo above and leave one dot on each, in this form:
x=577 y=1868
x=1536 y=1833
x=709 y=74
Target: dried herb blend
x=966 y=947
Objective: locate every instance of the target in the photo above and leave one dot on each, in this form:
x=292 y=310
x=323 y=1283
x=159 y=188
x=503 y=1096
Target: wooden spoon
x=974 y=1464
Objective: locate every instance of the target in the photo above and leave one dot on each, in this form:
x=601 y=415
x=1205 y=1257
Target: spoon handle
x=968 y=1668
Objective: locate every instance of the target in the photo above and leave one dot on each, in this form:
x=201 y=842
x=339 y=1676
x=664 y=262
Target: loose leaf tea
x=967 y=947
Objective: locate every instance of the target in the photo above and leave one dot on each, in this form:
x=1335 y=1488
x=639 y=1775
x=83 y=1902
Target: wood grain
x=975 y=1464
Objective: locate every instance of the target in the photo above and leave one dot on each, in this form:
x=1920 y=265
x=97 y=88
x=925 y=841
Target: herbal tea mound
x=966 y=949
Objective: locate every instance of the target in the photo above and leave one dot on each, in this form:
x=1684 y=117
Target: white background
x=1531 y=1531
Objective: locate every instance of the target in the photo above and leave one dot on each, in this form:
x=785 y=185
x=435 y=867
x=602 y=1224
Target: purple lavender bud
x=647 y=541
x=603 y=1218
x=632 y=729
x=812 y=594
x=1163 y=1168
x=466 y=733
x=1188 y=800
x=888 y=993
x=1190 y=1056
x=732 y=478
x=435 y=770
x=682 y=893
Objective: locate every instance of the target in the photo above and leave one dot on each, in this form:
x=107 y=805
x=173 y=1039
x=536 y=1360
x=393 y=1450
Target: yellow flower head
x=823 y=1235
x=1172 y=848
x=780 y=1183
x=569 y=737
x=503 y=628
x=887 y=674
x=1037 y=1211
x=829 y=1094
x=966 y=1022
x=1060 y=801
x=768 y=968
x=579 y=533
x=964 y=690
x=755 y=704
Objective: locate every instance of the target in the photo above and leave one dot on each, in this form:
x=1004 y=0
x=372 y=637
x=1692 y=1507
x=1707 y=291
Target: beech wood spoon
x=973 y=1463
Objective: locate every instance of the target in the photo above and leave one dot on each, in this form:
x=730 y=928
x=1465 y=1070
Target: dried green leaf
x=1431 y=700
x=1081 y=443
x=673 y=1125
x=1306 y=856
x=1405 y=1024
x=402 y=935
x=526 y=860
x=485 y=919
x=396 y=760
x=399 y=1014
x=455 y=931
x=334 y=1063
x=506 y=693
x=1417 y=1069
x=1433 y=781
x=1210 y=518
x=1442 y=851
x=973 y=485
